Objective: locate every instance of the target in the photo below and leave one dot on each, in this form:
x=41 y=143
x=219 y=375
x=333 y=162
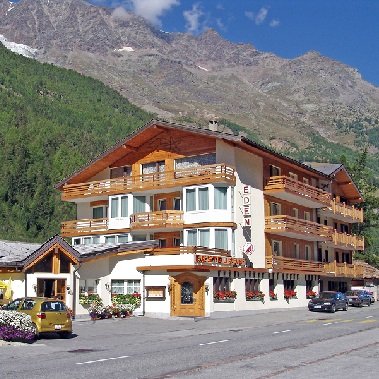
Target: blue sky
x=345 y=30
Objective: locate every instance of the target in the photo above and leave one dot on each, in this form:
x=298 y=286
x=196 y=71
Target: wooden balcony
x=84 y=227
x=294 y=191
x=347 y=241
x=343 y=212
x=343 y=270
x=292 y=265
x=156 y=220
x=297 y=228
x=217 y=173
x=190 y=250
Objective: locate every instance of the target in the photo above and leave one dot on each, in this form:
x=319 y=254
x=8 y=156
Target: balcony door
x=187 y=295
x=51 y=288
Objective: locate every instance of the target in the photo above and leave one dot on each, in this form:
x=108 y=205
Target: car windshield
x=351 y=293
x=326 y=295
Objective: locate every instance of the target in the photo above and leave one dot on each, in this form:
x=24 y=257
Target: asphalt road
x=266 y=344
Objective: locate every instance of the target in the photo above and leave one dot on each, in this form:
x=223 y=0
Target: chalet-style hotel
x=197 y=221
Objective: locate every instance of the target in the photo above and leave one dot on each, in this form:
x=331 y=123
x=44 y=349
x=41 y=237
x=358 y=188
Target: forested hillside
x=52 y=121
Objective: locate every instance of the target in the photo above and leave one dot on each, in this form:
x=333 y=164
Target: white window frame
x=119 y=203
x=275 y=168
x=273 y=206
x=274 y=251
x=293 y=176
x=307 y=252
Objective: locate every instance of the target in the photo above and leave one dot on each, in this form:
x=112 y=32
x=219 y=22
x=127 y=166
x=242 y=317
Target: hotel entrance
x=187 y=295
x=52 y=288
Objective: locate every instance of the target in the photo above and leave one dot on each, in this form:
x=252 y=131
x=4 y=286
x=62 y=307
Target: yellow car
x=48 y=315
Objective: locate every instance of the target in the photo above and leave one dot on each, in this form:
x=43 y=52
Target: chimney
x=213 y=125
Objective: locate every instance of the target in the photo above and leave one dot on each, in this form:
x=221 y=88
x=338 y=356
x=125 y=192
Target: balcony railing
x=157 y=220
x=289 y=189
x=348 y=241
x=281 y=264
x=344 y=211
x=190 y=250
x=297 y=228
x=344 y=270
x=84 y=226
x=194 y=175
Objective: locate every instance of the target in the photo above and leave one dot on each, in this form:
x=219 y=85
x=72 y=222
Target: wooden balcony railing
x=84 y=226
x=280 y=184
x=190 y=250
x=348 y=241
x=161 y=219
x=194 y=175
x=291 y=226
x=344 y=270
x=347 y=211
x=280 y=264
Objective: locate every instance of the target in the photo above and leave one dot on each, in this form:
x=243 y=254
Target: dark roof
x=326 y=168
x=12 y=253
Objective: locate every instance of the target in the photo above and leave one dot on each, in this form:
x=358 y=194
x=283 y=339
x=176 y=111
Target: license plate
x=58 y=327
x=317 y=306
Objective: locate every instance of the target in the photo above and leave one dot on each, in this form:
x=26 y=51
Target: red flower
x=288 y=294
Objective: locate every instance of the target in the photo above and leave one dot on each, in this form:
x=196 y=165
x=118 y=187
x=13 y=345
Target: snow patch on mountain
x=125 y=48
x=203 y=68
x=18 y=48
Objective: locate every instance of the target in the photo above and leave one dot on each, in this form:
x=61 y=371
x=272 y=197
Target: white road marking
x=369 y=317
x=283 y=331
x=328 y=323
x=212 y=343
x=102 y=360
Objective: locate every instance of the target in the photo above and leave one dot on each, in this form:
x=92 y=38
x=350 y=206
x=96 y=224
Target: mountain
x=293 y=105
x=52 y=121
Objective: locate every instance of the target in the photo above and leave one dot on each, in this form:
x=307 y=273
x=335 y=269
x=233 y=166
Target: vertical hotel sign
x=246 y=206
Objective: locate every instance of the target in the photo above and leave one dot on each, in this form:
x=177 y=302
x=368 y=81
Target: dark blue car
x=358 y=298
x=328 y=301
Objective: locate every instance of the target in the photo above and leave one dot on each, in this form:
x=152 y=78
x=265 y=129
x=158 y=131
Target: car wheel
x=65 y=334
x=333 y=309
x=369 y=303
x=345 y=307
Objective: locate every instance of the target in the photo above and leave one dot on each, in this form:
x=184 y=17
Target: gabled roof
x=341 y=176
x=12 y=253
x=154 y=128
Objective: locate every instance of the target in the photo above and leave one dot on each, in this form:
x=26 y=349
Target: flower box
x=273 y=296
x=228 y=300
x=224 y=296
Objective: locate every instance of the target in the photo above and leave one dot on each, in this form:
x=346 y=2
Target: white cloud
x=259 y=17
x=274 y=23
x=192 y=18
x=121 y=14
x=152 y=10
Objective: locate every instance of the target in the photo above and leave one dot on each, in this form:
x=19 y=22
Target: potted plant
x=125 y=304
x=224 y=296
x=255 y=296
x=290 y=294
x=311 y=294
x=88 y=299
x=273 y=295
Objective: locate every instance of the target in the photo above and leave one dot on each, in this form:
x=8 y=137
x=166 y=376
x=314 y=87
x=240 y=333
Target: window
x=118 y=172
x=114 y=207
x=76 y=241
x=221 y=239
x=177 y=204
x=151 y=168
x=220 y=200
x=88 y=285
x=276 y=248
x=139 y=204
x=203 y=198
x=176 y=242
x=110 y=239
x=122 y=238
x=190 y=199
x=221 y=284
x=296 y=250
x=162 y=243
x=307 y=252
x=293 y=176
x=307 y=216
x=128 y=286
x=275 y=209
x=124 y=206
x=162 y=204
x=204 y=237
x=309 y=285
x=295 y=212
x=274 y=170
x=305 y=180
x=252 y=284
x=289 y=284
x=98 y=212
x=195 y=161
x=192 y=237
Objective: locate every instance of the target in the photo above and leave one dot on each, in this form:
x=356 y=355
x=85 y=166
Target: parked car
x=372 y=297
x=48 y=315
x=358 y=298
x=328 y=301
